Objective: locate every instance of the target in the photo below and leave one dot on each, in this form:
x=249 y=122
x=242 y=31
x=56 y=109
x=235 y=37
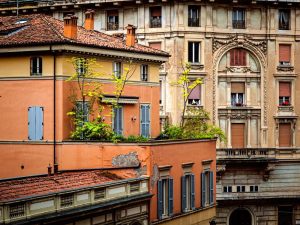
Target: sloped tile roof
x=39 y=29
x=42 y=185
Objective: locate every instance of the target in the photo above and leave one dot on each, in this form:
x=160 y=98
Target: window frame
x=285 y=63
x=114 y=25
x=286 y=26
x=199 y=99
x=122 y=120
x=282 y=99
x=194 y=22
x=144 y=76
x=187 y=192
x=193 y=60
x=117 y=70
x=152 y=23
x=165 y=197
x=239 y=23
x=207 y=188
x=38 y=71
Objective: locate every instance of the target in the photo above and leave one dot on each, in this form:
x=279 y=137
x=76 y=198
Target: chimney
x=130 y=37
x=49 y=170
x=89 y=19
x=70 y=26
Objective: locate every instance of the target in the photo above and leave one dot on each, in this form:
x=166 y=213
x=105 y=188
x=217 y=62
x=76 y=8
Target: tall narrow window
x=118 y=120
x=81 y=66
x=284 y=93
x=194 y=52
x=117 y=67
x=160 y=91
x=238 y=135
x=207 y=188
x=284 y=55
x=285 y=135
x=112 y=20
x=187 y=192
x=36 y=66
x=165 y=197
x=82 y=111
x=144 y=72
x=193 y=16
x=237 y=93
x=145 y=120
x=238 y=18
x=35 y=123
x=283 y=19
x=195 y=96
x=156 y=45
x=285 y=215
x=155 y=17
x=238 y=57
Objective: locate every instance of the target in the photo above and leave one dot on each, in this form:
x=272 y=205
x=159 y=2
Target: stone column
x=229 y=132
x=248 y=132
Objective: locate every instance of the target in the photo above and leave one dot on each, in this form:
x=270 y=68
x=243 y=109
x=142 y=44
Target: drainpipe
x=55 y=165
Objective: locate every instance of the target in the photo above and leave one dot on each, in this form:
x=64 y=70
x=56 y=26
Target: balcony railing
x=238 y=24
x=155 y=22
x=112 y=26
x=245 y=153
x=193 y=22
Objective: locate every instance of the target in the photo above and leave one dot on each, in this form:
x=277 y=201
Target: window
x=16 y=210
x=81 y=65
x=194 y=52
x=284 y=93
x=238 y=18
x=35 y=123
x=99 y=193
x=165 y=197
x=117 y=69
x=238 y=135
x=155 y=17
x=145 y=120
x=195 y=96
x=112 y=20
x=207 y=188
x=253 y=188
x=66 y=200
x=135 y=187
x=36 y=66
x=144 y=72
x=193 y=16
x=237 y=94
x=240 y=188
x=284 y=55
x=285 y=215
x=156 y=45
x=118 y=120
x=82 y=110
x=187 y=192
x=238 y=57
x=284 y=19
x=227 y=189
x=285 y=135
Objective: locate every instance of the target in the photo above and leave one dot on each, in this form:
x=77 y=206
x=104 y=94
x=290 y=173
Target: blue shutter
x=31 y=123
x=144 y=120
x=159 y=199
x=183 y=194
x=192 y=191
x=211 y=187
x=39 y=123
x=118 y=120
x=203 y=183
x=171 y=196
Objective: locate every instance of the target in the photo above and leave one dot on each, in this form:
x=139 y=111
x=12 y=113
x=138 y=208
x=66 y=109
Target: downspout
x=55 y=165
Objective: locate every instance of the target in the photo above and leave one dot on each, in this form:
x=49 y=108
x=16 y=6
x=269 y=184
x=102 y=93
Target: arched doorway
x=240 y=217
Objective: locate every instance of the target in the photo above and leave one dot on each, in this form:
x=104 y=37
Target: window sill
x=285 y=68
x=196 y=66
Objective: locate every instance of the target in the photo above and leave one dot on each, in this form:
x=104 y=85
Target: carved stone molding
x=234 y=69
x=285 y=68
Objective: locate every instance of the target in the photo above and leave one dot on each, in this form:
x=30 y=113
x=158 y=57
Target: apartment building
x=47 y=178
x=247 y=54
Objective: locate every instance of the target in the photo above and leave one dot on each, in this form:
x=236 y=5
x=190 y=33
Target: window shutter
x=159 y=199
x=242 y=57
x=284 y=53
x=40 y=68
x=145 y=120
x=156 y=45
x=171 y=196
x=237 y=135
x=285 y=134
x=31 y=123
x=232 y=57
x=156 y=11
x=190 y=53
x=237 y=87
x=183 y=193
x=203 y=194
x=196 y=93
x=192 y=191
x=196 y=52
x=284 y=89
x=211 y=187
x=39 y=123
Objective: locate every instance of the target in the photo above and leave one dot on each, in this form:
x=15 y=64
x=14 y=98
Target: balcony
x=246 y=154
x=193 y=22
x=155 y=22
x=238 y=24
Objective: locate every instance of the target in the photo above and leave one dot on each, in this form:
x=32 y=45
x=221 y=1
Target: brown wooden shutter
x=238 y=57
x=284 y=53
x=237 y=87
x=112 y=13
x=238 y=135
x=242 y=57
x=156 y=11
x=232 y=57
x=285 y=134
x=156 y=45
x=284 y=89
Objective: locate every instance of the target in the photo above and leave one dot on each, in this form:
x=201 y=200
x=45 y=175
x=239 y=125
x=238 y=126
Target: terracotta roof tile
x=37 y=29
x=42 y=185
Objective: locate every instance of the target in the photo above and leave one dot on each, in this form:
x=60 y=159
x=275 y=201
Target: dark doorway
x=285 y=215
x=240 y=217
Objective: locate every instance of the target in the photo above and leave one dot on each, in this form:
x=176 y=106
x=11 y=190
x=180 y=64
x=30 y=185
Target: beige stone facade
x=261 y=160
